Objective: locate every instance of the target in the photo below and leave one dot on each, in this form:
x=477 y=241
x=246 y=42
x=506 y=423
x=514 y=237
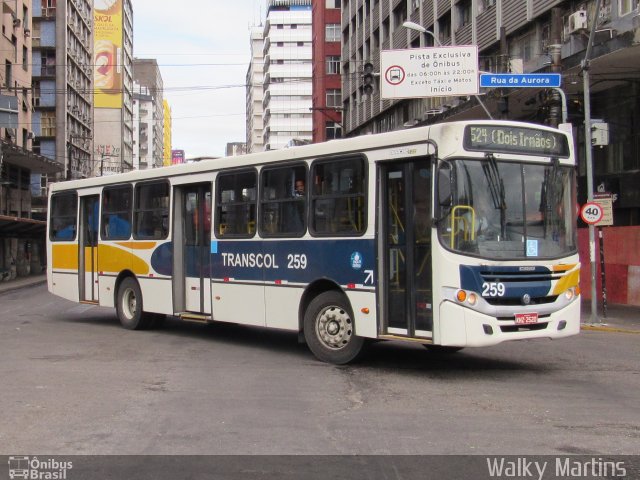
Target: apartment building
x=327 y=81
x=521 y=36
x=22 y=232
x=147 y=73
x=287 y=74
x=255 y=93
x=142 y=127
x=166 y=133
x=62 y=47
x=113 y=92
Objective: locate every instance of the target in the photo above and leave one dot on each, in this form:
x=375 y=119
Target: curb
x=10 y=288
x=598 y=328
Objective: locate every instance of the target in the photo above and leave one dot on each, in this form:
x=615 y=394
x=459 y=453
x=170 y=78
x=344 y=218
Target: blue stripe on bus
x=535 y=281
x=345 y=261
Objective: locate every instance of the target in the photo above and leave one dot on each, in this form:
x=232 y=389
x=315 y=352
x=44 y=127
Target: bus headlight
x=472 y=299
x=570 y=293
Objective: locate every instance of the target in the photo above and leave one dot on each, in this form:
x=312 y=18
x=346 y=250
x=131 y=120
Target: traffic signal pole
x=589 y=162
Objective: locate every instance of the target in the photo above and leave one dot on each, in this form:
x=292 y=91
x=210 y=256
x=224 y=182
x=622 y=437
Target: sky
x=202 y=48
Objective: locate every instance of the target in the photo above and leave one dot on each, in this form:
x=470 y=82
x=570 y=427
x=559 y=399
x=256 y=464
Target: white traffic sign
x=429 y=72
x=591 y=213
x=605 y=200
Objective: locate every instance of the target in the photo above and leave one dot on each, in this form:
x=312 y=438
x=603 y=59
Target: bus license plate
x=526 y=318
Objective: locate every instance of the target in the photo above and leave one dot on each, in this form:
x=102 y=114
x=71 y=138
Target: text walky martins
x=568 y=467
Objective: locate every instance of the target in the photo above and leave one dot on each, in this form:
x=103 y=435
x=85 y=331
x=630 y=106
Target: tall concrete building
x=166 y=133
x=530 y=36
x=255 y=94
x=287 y=73
x=113 y=77
x=62 y=42
x=142 y=127
x=22 y=196
x=327 y=81
x=147 y=73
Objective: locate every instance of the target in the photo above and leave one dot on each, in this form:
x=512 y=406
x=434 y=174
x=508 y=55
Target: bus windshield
x=508 y=210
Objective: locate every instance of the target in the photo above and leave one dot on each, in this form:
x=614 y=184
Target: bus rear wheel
x=129 y=306
x=329 y=329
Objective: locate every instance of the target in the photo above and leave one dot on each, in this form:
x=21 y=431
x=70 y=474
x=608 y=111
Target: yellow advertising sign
x=107 y=56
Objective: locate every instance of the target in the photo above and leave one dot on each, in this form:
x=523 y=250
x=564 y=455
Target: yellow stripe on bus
x=65 y=256
x=114 y=259
x=571 y=279
x=137 y=245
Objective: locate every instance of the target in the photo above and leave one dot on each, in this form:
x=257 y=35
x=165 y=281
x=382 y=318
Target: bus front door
x=88 y=248
x=192 y=247
x=406 y=249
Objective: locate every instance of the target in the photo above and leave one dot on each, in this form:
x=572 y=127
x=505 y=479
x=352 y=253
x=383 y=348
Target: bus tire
x=329 y=329
x=441 y=348
x=129 y=305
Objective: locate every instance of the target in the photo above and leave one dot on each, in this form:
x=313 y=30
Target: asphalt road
x=74 y=382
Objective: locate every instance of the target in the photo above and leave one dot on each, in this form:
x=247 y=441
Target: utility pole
x=589 y=160
x=558 y=109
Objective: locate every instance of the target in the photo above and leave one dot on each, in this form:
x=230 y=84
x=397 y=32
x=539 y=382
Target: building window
x=333 y=65
x=444 y=24
x=399 y=14
x=332 y=130
x=464 y=13
x=334 y=97
x=485 y=5
x=25 y=58
x=626 y=6
x=332 y=3
x=7 y=74
x=332 y=32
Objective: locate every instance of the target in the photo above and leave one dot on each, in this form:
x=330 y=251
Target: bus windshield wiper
x=496 y=188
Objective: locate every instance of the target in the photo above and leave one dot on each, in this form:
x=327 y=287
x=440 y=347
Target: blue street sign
x=520 y=80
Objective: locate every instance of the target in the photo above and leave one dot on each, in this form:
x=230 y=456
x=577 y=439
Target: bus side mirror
x=444 y=186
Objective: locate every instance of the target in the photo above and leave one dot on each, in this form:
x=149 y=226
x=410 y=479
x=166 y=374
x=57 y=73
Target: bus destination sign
x=511 y=139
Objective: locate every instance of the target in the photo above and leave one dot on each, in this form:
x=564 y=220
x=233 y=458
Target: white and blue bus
x=452 y=235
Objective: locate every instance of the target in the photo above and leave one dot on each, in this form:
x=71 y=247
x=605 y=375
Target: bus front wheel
x=329 y=329
x=129 y=305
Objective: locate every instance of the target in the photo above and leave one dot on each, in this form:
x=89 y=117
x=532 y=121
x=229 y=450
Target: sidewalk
x=620 y=318
x=22 y=282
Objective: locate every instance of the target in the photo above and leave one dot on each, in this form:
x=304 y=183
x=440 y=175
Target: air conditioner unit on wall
x=577 y=21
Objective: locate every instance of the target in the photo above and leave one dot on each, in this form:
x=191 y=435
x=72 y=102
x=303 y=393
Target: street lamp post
x=419 y=28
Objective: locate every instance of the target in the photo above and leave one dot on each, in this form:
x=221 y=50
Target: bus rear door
x=406 y=249
x=88 y=248
x=191 y=243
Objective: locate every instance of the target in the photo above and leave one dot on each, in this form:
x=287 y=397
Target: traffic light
x=368 y=81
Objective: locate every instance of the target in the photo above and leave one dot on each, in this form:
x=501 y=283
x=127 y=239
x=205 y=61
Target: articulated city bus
x=452 y=235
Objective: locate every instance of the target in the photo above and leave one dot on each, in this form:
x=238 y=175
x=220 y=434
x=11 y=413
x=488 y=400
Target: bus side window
x=236 y=204
x=338 y=197
x=151 y=216
x=283 y=201
x=62 y=225
x=116 y=212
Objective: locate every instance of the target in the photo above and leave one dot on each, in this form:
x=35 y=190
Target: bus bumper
x=463 y=327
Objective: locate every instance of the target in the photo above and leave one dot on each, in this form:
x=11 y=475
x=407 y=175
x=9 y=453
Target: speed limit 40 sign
x=591 y=213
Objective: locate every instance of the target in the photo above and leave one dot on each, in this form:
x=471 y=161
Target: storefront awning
x=11 y=153
x=21 y=227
